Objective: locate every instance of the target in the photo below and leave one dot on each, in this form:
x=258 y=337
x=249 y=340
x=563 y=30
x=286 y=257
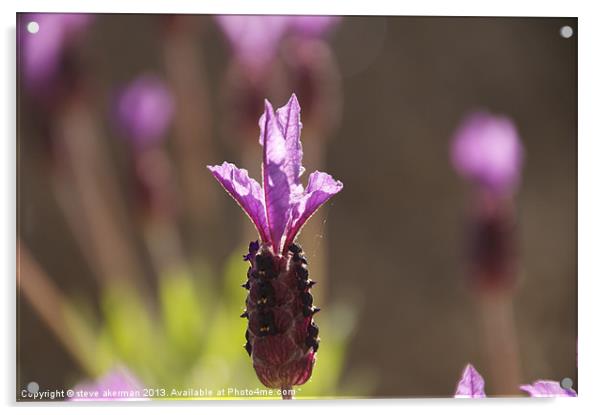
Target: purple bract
x=280 y=206
x=471 y=384
x=547 y=389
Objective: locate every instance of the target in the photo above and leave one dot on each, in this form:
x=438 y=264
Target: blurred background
x=130 y=252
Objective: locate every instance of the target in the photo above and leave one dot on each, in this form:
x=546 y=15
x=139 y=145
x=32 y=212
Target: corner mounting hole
x=33 y=27
x=566 y=32
x=33 y=387
x=566 y=383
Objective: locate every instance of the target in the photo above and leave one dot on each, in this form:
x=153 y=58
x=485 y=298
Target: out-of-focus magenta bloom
x=117 y=385
x=255 y=39
x=471 y=384
x=547 y=389
x=312 y=25
x=486 y=150
x=42 y=52
x=145 y=110
x=280 y=206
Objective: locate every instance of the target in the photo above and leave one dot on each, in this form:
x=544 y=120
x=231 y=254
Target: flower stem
x=47 y=301
x=192 y=140
x=500 y=342
x=286 y=392
x=97 y=192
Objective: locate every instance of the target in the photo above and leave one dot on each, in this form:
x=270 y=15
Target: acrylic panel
x=295 y=207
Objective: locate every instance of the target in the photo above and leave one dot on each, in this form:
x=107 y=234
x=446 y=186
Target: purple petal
x=247 y=193
x=276 y=182
x=320 y=188
x=487 y=150
x=471 y=385
x=289 y=118
x=547 y=389
x=119 y=382
x=288 y=121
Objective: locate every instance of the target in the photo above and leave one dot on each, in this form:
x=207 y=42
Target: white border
x=590 y=198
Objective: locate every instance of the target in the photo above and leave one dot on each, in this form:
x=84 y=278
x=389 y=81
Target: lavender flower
x=116 y=385
x=255 y=39
x=312 y=26
x=282 y=338
x=547 y=389
x=487 y=151
x=145 y=110
x=42 y=52
x=471 y=384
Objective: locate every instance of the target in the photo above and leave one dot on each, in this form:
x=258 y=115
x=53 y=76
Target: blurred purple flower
x=280 y=207
x=119 y=384
x=42 y=52
x=547 y=389
x=312 y=26
x=255 y=39
x=471 y=385
x=145 y=110
x=487 y=150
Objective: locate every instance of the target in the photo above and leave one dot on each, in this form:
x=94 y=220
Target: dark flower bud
x=282 y=334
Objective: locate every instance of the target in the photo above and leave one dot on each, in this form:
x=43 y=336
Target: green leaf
x=183 y=307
